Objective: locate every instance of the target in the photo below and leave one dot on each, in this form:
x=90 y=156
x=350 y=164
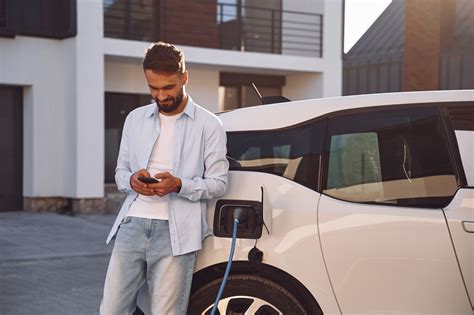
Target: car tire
x=245 y=294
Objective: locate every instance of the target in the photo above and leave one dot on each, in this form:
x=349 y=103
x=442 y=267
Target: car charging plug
x=240 y=216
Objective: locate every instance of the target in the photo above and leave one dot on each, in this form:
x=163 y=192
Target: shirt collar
x=189 y=109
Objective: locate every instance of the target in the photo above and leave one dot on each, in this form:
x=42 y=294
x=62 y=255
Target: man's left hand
x=168 y=183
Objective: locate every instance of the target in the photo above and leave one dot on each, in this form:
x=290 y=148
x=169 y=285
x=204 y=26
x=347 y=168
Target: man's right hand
x=140 y=187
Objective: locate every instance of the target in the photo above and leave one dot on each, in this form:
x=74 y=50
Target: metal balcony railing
x=256 y=29
x=224 y=26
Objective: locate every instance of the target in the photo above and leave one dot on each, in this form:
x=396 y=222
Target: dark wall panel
x=352 y=81
x=467 y=77
x=383 y=78
x=395 y=77
x=454 y=72
x=373 y=78
x=362 y=84
x=11 y=148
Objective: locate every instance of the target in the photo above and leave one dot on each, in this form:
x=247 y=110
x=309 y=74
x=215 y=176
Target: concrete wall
x=39 y=66
x=89 y=118
x=332 y=48
x=225 y=60
x=203 y=87
x=303 y=86
x=309 y=6
x=125 y=77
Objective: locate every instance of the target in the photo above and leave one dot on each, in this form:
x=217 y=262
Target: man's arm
x=214 y=182
x=127 y=181
x=123 y=171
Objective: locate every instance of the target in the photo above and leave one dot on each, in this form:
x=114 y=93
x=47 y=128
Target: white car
x=359 y=205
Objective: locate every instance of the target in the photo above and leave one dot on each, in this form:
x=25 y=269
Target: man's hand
x=168 y=183
x=140 y=187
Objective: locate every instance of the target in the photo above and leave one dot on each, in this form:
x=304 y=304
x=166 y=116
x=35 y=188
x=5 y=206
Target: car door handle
x=468 y=226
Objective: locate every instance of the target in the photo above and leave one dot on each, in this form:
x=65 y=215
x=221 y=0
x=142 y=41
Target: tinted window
x=397 y=157
x=292 y=152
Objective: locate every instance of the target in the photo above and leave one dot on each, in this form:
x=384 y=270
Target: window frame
x=453 y=150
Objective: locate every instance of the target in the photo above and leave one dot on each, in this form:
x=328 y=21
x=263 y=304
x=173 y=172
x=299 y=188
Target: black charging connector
x=240 y=214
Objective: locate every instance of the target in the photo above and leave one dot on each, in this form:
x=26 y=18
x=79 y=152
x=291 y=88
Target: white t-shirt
x=161 y=160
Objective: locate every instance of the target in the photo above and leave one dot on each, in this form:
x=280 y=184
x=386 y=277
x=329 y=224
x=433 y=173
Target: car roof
x=286 y=114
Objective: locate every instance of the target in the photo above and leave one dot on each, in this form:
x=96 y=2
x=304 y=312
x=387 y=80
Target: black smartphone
x=148 y=180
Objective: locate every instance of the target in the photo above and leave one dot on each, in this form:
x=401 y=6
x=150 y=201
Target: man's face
x=167 y=90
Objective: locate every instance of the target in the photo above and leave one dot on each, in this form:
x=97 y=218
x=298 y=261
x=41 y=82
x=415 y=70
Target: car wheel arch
x=216 y=271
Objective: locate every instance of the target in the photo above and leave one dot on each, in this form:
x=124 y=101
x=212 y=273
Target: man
x=161 y=225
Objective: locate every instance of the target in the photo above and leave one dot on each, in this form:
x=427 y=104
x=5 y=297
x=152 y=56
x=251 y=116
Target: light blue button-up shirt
x=199 y=160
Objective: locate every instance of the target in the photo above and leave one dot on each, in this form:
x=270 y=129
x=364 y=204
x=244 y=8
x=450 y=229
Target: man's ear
x=185 y=77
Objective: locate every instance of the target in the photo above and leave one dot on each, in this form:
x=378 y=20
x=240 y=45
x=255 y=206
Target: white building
x=70 y=71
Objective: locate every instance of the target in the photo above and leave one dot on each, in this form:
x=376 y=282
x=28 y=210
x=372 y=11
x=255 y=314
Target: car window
x=291 y=152
x=391 y=156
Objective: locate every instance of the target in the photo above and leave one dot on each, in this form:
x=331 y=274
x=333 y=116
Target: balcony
x=211 y=24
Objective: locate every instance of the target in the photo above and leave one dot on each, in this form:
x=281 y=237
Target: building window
x=117 y=107
x=236 y=91
x=131 y=19
x=396 y=157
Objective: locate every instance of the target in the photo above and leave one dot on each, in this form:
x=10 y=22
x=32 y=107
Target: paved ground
x=51 y=263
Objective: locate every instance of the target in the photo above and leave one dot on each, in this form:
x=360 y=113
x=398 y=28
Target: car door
x=460 y=212
x=387 y=175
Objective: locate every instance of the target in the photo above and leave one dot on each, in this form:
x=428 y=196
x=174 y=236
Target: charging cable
x=239 y=216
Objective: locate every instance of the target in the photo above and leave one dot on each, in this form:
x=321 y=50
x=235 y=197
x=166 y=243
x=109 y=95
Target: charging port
x=250 y=215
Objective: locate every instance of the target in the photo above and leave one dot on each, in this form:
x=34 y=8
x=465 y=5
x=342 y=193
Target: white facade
x=64 y=82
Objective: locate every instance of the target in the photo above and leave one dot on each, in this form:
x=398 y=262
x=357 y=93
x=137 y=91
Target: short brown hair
x=164 y=57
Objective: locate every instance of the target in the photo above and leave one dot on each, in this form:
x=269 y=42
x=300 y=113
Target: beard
x=174 y=103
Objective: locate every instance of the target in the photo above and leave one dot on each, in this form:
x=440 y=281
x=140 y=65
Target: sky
x=359 y=15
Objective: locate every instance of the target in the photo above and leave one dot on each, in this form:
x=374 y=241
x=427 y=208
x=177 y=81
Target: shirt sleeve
x=216 y=167
x=123 y=171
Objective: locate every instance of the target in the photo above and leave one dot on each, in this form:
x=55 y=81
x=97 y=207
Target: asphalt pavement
x=52 y=263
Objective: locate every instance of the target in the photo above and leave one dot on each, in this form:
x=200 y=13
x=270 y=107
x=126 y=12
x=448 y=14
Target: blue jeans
x=142 y=255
